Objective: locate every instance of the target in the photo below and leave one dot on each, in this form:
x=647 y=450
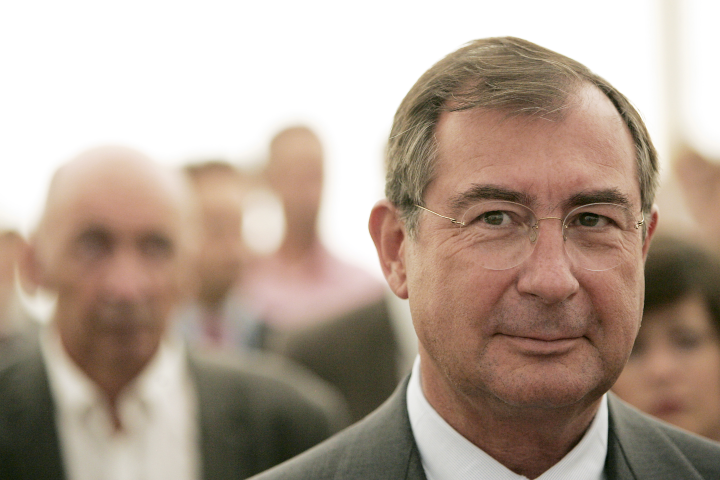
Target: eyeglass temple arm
x=457 y=222
x=641 y=222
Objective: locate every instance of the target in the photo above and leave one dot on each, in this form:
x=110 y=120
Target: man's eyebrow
x=488 y=192
x=611 y=195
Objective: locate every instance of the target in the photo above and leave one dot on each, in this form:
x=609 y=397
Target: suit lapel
x=32 y=421
x=638 y=449
x=386 y=442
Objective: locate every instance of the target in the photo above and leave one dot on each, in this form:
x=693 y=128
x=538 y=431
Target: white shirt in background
x=158 y=413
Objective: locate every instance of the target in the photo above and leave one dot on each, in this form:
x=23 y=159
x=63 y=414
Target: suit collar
x=638 y=448
x=386 y=439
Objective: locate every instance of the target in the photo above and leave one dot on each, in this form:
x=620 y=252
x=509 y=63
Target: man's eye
x=93 y=245
x=156 y=246
x=590 y=220
x=496 y=218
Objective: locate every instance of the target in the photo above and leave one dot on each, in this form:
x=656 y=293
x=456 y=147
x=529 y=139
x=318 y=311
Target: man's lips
x=542 y=345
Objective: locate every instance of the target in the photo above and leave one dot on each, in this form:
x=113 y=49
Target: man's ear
x=652 y=224
x=30 y=270
x=388 y=233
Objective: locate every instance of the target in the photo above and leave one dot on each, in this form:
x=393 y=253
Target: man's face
x=544 y=333
x=296 y=174
x=112 y=254
x=222 y=251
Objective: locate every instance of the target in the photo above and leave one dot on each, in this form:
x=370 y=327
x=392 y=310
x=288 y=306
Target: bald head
x=113 y=245
x=123 y=170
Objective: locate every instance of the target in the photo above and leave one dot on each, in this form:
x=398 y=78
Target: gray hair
x=508 y=74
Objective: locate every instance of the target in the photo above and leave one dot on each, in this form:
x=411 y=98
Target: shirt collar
x=448 y=455
x=76 y=394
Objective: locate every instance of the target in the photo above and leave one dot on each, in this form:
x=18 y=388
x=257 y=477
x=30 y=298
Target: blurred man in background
x=219 y=318
x=112 y=393
x=17 y=327
x=364 y=353
x=303 y=283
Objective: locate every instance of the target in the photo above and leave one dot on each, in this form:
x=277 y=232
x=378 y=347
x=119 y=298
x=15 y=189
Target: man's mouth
x=542 y=345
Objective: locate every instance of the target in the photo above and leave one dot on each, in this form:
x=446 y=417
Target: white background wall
x=184 y=80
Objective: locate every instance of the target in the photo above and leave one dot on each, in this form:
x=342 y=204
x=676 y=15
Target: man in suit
x=518 y=216
x=218 y=318
x=112 y=393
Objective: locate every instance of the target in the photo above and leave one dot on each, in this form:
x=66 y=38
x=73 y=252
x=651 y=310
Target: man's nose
x=125 y=279
x=547 y=273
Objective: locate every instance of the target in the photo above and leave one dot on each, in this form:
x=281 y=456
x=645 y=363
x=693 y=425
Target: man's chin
x=547 y=392
x=134 y=346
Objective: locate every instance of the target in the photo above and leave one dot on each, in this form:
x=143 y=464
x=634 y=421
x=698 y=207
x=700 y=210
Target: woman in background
x=674 y=369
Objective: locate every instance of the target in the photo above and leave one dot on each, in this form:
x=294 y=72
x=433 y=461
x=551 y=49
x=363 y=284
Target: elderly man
x=519 y=213
x=111 y=393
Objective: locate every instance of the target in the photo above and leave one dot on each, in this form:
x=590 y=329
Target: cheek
x=451 y=303
x=618 y=299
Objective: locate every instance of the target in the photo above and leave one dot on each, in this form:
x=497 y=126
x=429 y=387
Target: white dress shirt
x=447 y=455
x=158 y=414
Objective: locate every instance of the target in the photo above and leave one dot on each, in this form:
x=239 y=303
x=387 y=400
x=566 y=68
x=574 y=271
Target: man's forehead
x=115 y=192
x=495 y=147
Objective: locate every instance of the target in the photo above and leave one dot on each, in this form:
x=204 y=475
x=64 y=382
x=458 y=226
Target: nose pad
x=547 y=274
x=535 y=229
x=534 y=233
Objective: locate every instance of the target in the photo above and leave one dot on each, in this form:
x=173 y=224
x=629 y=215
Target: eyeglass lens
x=597 y=236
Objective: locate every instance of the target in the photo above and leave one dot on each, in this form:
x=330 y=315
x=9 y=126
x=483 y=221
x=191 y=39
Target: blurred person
x=303 y=282
x=111 y=392
x=17 y=326
x=674 y=368
x=699 y=180
x=364 y=353
x=219 y=318
x=518 y=214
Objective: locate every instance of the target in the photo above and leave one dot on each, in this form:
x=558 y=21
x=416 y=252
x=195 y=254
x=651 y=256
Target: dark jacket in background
x=248 y=422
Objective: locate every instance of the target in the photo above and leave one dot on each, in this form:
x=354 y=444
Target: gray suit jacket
x=382 y=447
x=248 y=422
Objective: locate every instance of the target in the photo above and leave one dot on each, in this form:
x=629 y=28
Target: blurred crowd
x=172 y=343
x=173 y=350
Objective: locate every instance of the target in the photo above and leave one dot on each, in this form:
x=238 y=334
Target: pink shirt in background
x=316 y=288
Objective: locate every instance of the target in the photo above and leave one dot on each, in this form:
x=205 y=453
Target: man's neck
x=298 y=247
x=112 y=376
x=526 y=440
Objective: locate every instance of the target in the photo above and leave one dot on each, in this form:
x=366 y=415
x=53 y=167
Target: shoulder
x=28 y=435
x=380 y=446
x=264 y=388
x=21 y=371
x=361 y=328
x=657 y=449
